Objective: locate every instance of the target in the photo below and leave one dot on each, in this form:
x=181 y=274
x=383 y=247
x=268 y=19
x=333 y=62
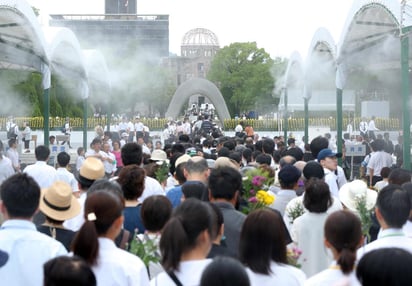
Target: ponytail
x=347 y=260
x=86 y=244
x=173 y=243
x=180 y=234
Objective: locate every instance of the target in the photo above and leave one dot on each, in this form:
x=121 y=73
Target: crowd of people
x=181 y=201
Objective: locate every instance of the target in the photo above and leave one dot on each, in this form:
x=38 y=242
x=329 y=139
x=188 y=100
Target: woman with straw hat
x=58 y=204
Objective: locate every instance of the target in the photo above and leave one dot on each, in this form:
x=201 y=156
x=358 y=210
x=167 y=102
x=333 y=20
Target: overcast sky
x=278 y=26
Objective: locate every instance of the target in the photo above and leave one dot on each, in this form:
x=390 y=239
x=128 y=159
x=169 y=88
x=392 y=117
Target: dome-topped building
x=199 y=42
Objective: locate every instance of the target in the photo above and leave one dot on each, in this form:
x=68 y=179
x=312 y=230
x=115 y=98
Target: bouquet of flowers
x=293 y=253
x=255 y=185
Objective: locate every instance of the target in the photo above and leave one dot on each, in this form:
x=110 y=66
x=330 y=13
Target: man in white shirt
x=392 y=211
x=132 y=154
x=63 y=159
x=363 y=128
x=329 y=162
x=372 y=128
x=27 y=248
x=42 y=173
x=13 y=155
x=139 y=128
x=109 y=161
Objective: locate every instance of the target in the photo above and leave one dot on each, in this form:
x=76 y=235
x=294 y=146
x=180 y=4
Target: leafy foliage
x=243 y=73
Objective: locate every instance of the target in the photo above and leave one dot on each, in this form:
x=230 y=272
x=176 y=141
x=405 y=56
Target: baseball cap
x=324 y=153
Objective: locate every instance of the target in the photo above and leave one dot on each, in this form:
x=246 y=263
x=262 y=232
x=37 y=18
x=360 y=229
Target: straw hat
x=91 y=170
x=159 y=156
x=351 y=193
x=58 y=202
x=182 y=159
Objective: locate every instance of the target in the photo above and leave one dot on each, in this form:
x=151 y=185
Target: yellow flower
x=264 y=197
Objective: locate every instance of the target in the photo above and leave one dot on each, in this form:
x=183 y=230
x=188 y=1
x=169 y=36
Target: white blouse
x=118 y=267
x=333 y=276
x=189 y=274
x=281 y=274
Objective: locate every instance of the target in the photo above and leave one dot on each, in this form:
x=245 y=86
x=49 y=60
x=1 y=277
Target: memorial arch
x=198 y=86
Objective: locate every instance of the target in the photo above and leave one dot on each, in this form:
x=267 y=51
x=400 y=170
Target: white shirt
x=390 y=237
x=6 y=169
x=28 y=250
x=138 y=126
x=336 y=206
x=76 y=223
x=308 y=233
x=407 y=228
x=281 y=274
x=109 y=167
x=189 y=274
x=363 y=126
x=332 y=180
x=378 y=160
x=42 y=173
x=64 y=175
x=79 y=162
x=151 y=188
x=116 y=267
x=13 y=155
x=371 y=126
x=333 y=276
x=283 y=197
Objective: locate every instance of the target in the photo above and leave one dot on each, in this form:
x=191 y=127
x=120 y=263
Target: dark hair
x=132 y=180
x=318 y=144
x=268 y=146
x=68 y=271
x=218 y=220
x=247 y=154
x=178 y=148
x=106 y=206
x=20 y=195
x=260 y=244
x=343 y=230
x=255 y=154
x=394 y=205
x=180 y=234
x=263 y=159
x=179 y=173
x=224 y=182
x=317 y=197
x=236 y=156
x=385 y=171
x=155 y=212
x=194 y=189
x=399 y=176
x=42 y=153
x=132 y=153
x=223 y=152
x=12 y=141
x=95 y=141
x=378 y=145
x=385 y=266
x=79 y=150
x=63 y=159
x=224 y=271
x=196 y=165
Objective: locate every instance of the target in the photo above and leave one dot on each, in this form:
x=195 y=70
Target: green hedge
x=294 y=124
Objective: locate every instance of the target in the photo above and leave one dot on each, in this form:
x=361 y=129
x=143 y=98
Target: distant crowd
x=177 y=212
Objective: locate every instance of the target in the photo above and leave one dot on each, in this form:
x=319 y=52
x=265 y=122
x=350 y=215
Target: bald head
x=196 y=169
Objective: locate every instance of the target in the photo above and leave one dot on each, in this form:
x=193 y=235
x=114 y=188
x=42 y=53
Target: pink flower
x=258 y=180
x=252 y=191
x=253 y=200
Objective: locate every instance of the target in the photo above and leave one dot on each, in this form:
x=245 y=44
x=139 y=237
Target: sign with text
x=355 y=150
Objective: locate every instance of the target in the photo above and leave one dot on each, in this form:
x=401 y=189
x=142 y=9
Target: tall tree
x=242 y=72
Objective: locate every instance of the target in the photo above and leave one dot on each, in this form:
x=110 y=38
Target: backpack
x=11 y=134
